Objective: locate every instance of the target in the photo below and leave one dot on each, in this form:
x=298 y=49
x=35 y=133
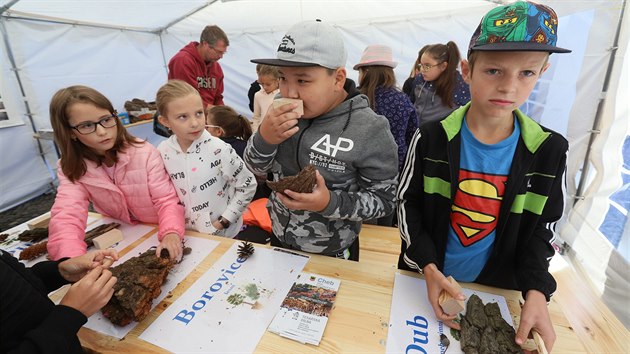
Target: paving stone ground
x=26 y=211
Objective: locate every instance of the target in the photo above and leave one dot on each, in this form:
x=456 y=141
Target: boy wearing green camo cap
x=482 y=189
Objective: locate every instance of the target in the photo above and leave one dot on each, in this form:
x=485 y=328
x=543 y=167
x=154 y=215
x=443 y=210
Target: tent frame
x=596 y=130
x=7 y=13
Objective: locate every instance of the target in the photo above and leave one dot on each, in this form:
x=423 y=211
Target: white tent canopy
x=121 y=47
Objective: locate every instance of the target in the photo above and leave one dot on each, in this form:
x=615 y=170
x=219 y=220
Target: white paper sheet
x=200 y=249
x=413 y=327
x=210 y=316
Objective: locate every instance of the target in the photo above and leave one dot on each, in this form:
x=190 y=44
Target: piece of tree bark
x=484 y=331
x=139 y=282
x=303 y=182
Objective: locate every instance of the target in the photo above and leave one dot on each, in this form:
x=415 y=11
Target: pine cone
x=303 y=182
x=245 y=249
x=34 y=251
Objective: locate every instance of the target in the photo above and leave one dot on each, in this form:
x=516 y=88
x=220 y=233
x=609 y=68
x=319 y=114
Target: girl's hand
x=436 y=282
x=92 y=292
x=535 y=317
x=173 y=244
x=74 y=269
x=315 y=201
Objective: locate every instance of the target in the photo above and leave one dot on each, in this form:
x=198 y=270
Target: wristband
x=224 y=222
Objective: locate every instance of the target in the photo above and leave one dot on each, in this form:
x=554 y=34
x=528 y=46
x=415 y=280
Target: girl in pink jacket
x=102 y=163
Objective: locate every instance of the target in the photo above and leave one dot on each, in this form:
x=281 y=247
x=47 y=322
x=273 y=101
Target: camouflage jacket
x=353 y=149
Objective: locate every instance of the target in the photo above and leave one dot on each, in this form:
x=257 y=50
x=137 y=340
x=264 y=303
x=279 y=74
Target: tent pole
x=179 y=19
x=600 y=108
x=163 y=54
x=25 y=17
x=7 y=6
x=160 y=31
x=29 y=113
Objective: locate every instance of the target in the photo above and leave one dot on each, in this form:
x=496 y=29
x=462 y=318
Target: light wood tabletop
x=359 y=321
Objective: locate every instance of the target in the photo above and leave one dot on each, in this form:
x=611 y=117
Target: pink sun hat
x=376 y=54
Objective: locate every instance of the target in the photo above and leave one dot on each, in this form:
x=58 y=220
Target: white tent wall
x=403 y=25
x=606 y=265
x=20 y=153
x=124 y=64
x=121 y=64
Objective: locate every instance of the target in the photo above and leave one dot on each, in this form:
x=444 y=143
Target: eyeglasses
x=90 y=127
x=214 y=126
x=222 y=52
x=427 y=67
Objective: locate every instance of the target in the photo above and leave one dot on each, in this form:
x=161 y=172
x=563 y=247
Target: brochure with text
x=304 y=312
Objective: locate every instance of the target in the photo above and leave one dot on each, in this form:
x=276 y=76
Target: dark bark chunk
x=303 y=182
x=484 y=330
x=139 y=282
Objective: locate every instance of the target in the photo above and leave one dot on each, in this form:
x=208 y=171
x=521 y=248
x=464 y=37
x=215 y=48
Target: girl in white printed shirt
x=210 y=178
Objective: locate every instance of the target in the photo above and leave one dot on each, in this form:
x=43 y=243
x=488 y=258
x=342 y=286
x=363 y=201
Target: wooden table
x=359 y=320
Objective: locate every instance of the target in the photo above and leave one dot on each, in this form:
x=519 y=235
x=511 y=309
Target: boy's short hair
x=520 y=26
x=310 y=43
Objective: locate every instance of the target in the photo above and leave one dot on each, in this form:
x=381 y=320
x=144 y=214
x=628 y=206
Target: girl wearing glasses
x=122 y=176
x=439 y=88
x=210 y=178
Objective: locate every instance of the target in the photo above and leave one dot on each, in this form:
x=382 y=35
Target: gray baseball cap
x=310 y=43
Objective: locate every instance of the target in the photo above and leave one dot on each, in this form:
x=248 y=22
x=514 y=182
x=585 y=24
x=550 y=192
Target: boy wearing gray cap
x=351 y=147
x=482 y=189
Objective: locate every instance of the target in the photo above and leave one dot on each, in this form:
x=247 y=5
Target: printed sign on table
x=413 y=326
x=200 y=249
x=230 y=306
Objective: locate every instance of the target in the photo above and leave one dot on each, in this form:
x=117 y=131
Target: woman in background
x=378 y=82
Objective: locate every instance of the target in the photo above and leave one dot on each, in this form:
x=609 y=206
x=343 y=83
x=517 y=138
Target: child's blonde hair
x=269 y=70
x=232 y=123
x=170 y=91
x=73 y=152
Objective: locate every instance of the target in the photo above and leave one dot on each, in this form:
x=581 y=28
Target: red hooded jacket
x=187 y=65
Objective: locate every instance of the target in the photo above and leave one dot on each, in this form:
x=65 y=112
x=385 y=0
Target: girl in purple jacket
x=123 y=177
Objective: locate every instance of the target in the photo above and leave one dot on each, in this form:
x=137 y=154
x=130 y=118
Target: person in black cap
x=482 y=190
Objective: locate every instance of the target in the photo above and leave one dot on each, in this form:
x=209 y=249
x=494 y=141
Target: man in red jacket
x=197 y=64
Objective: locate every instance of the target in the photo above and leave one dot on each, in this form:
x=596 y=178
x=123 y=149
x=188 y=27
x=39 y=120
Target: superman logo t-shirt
x=483 y=175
